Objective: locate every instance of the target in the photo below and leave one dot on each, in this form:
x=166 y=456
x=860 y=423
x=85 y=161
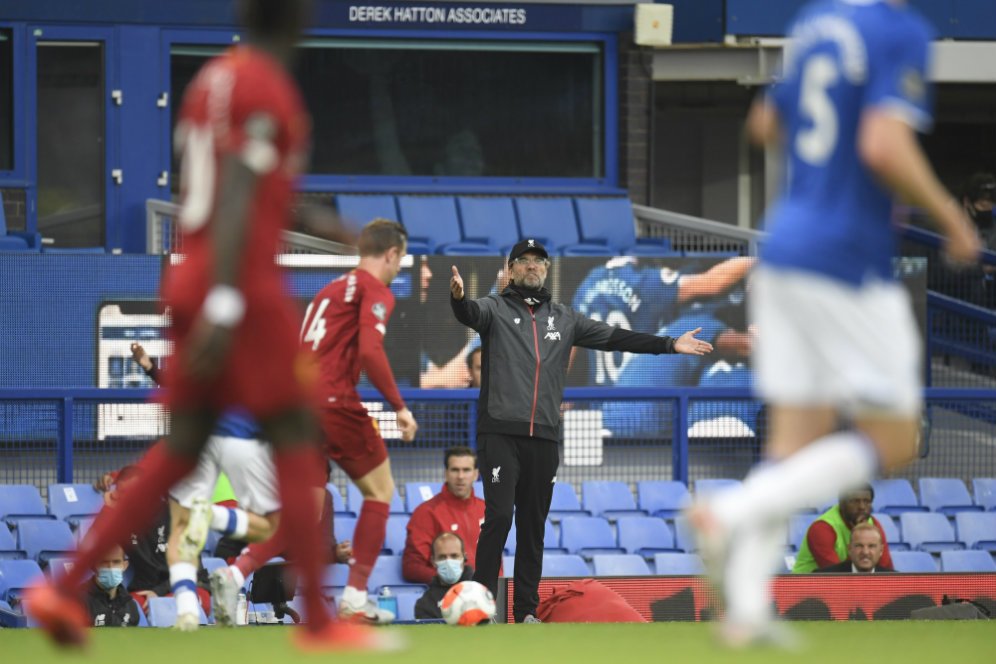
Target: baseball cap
x=529 y=244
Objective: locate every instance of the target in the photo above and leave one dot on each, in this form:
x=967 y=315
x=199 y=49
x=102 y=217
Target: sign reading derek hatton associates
x=438 y=15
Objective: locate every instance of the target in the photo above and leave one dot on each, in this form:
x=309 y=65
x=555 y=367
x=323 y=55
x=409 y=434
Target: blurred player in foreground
x=344 y=326
x=243 y=132
x=837 y=336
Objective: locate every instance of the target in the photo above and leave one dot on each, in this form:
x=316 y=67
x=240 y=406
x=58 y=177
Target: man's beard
x=536 y=282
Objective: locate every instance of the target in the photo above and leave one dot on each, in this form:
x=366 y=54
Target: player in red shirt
x=345 y=326
x=243 y=133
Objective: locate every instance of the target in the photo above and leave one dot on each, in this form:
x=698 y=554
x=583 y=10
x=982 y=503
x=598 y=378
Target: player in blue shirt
x=836 y=337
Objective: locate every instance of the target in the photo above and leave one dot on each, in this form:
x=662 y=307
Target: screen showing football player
x=344 y=327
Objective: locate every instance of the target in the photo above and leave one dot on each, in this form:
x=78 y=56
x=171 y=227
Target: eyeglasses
x=528 y=260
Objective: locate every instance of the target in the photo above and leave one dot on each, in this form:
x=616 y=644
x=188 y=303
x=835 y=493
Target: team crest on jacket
x=551 y=330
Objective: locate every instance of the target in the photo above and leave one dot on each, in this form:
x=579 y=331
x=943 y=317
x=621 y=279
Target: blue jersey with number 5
x=844 y=57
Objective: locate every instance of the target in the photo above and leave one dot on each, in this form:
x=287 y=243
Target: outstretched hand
x=687 y=344
x=456 y=284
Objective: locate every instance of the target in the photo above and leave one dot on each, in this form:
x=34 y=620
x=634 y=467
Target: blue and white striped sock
x=231 y=521
x=183 y=581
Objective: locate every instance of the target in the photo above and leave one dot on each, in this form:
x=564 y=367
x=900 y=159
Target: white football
x=467 y=603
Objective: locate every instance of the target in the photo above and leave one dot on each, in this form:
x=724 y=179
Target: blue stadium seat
x=394 y=538
x=565 y=502
x=387 y=572
x=684 y=536
x=59 y=567
x=71 y=502
x=43 y=539
x=678 y=564
x=162 y=612
x=587 y=535
x=644 y=535
x=83 y=528
x=652 y=247
x=16 y=576
x=338 y=504
x=798 y=526
x=891 y=530
x=913 y=561
x=928 y=532
x=551 y=539
x=21 y=500
x=211 y=563
x=355 y=500
x=976 y=531
x=606 y=221
x=417 y=493
x=433 y=221
x=947 y=495
x=563 y=564
x=406 y=606
x=508 y=566
x=984 y=489
x=343 y=527
x=895 y=497
x=358 y=210
x=609 y=500
x=665 y=498
x=335 y=576
x=620 y=564
x=490 y=219
x=967 y=561
x=8 y=547
x=582 y=250
x=552 y=222
x=705 y=487
x=479 y=489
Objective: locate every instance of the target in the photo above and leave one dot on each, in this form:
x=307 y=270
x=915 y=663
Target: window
x=6 y=100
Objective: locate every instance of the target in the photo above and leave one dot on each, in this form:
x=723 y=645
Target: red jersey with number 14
x=345 y=325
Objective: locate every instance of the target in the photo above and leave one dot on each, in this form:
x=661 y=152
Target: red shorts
x=352 y=439
x=264 y=371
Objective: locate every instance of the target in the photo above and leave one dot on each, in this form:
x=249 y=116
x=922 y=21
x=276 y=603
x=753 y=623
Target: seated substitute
x=827 y=540
x=864 y=553
x=455 y=509
x=450 y=560
x=107 y=600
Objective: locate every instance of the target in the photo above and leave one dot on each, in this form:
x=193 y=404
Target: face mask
x=449 y=570
x=109 y=577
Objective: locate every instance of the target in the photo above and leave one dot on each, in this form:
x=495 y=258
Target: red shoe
x=346 y=637
x=59 y=614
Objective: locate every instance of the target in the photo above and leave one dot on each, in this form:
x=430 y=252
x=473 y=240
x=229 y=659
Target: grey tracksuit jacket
x=525 y=352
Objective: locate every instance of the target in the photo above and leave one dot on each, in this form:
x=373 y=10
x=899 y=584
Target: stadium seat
x=358 y=210
x=72 y=502
x=551 y=539
x=355 y=500
x=609 y=500
x=587 y=535
x=394 y=538
x=928 y=532
x=984 y=489
x=582 y=250
x=678 y=564
x=433 y=221
x=479 y=489
x=491 y=219
x=913 y=561
x=83 y=528
x=620 y=564
x=645 y=535
x=406 y=606
x=947 y=495
x=664 y=498
x=417 y=493
x=659 y=247
x=891 y=530
x=58 y=567
x=211 y=563
x=338 y=504
x=705 y=487
x=565 y=502
x=967 y=561
x=21 y=501
x=606 y=221
x=8 y=547
x=335 y=576
x=895 y=497
x=798 y=526
x=343 y=527
x=43 y=539
x=162 y=612
x=552 y=221
x=16 y=576
x=387 y=572
x=684 y=536
x=508 y=566
x=563 y=564
x=976 y=531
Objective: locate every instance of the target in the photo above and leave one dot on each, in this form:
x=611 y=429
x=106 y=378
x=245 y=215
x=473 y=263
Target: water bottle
x=242 y=611
x=387 y=601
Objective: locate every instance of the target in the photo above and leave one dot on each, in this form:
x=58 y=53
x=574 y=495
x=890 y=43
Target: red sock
x=258 y=553
x=297 y=470
x=138 y=503
x=368 y=539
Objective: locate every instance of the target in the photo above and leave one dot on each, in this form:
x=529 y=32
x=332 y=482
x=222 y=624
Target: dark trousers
x=517 y=472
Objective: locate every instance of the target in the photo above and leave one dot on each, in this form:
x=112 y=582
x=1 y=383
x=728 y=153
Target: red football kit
x=443 y=513
x=242 y=103
x=345 y=326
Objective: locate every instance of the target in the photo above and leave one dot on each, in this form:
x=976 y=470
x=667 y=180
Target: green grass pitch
x=831 y=642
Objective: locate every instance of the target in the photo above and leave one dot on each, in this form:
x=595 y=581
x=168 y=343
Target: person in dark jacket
x=864 y=553
x=107 y=600
x=526 y=342
x=450 y=559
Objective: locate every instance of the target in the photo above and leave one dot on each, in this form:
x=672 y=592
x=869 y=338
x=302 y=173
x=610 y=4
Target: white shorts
x=821 y=342
x=249 y=466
